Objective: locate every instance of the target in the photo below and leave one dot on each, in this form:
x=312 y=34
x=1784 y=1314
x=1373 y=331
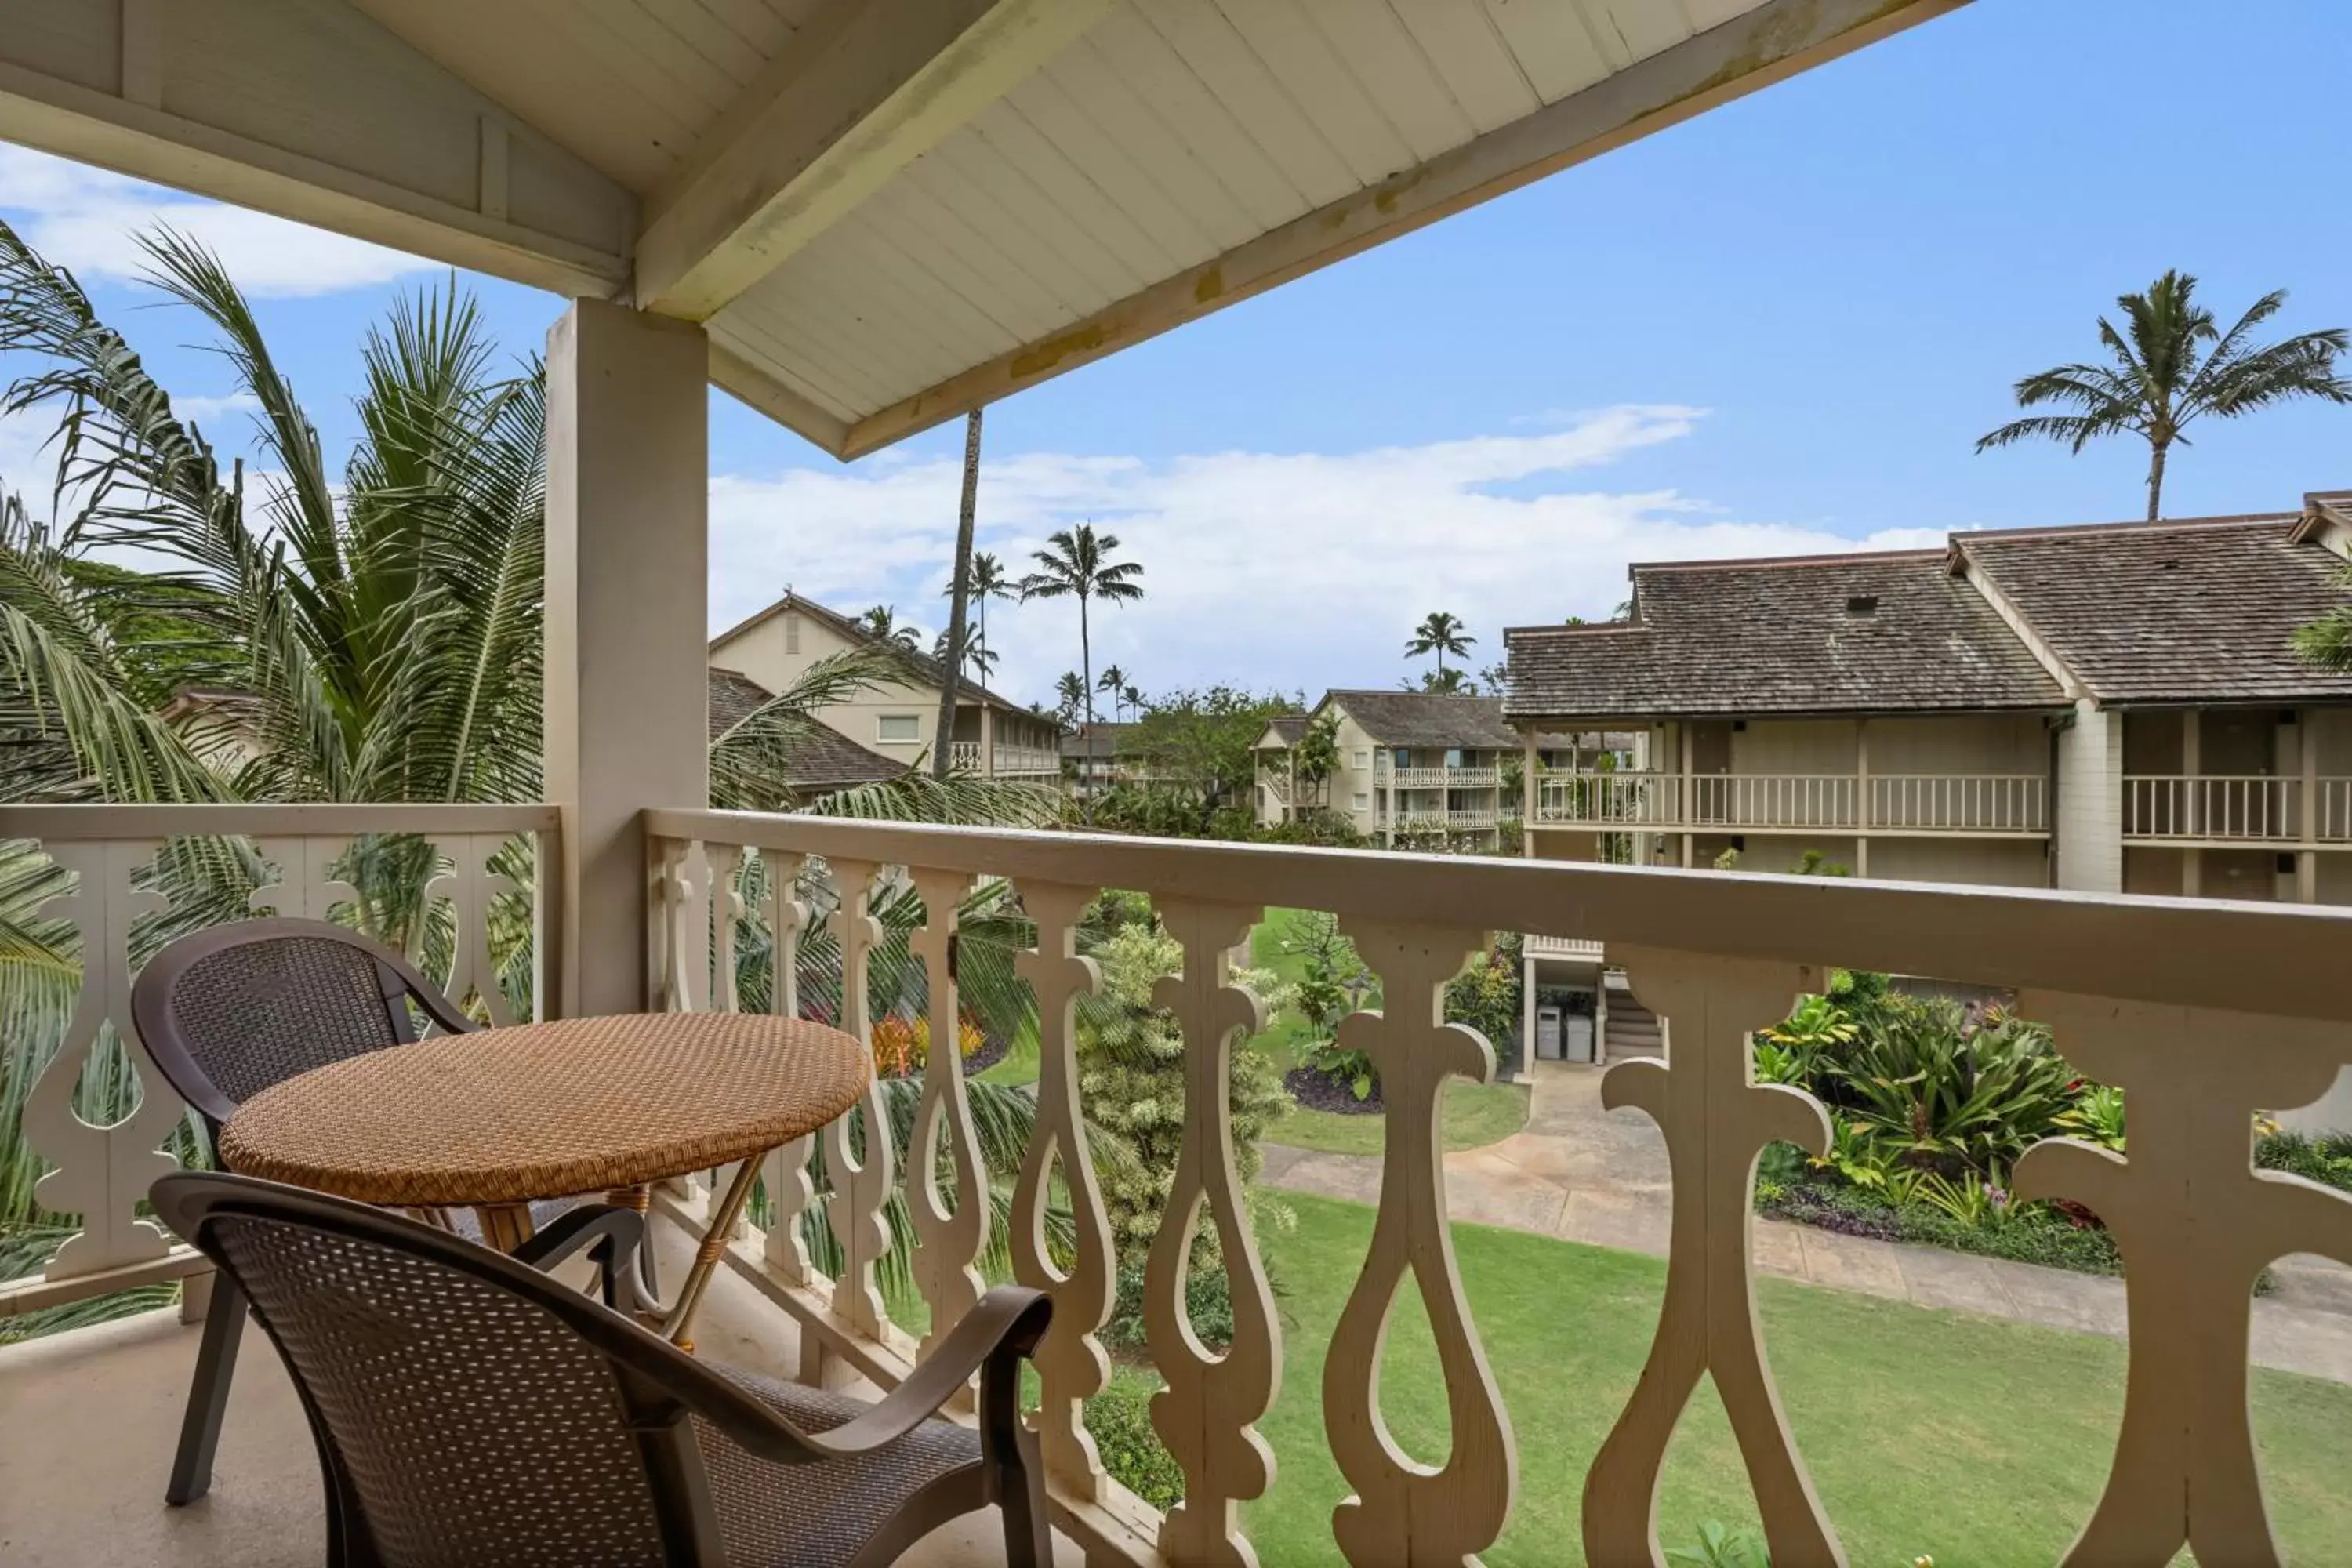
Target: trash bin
x=1547 y=1035
x=1579 y=1045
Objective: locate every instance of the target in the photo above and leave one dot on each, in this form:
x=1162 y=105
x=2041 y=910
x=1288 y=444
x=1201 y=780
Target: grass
x=1972 y=1440
x=1476 y=1114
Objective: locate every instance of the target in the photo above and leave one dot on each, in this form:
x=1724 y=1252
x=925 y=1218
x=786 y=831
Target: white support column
x=1862 y=812
x=1527 y=1016
x=987 y=743
x=2306 y=759
x=2090 y=801
x=627 y=716
x=2192 y=860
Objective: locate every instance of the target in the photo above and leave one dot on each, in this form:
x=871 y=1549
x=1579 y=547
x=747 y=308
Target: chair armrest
x=996 y=1334
x=614 y=1232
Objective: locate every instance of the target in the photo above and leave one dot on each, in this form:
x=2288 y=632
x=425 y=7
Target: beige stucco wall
x=1351 y=781
x=1793 y=746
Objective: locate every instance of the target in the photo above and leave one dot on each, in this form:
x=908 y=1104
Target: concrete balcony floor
x=88 y=1421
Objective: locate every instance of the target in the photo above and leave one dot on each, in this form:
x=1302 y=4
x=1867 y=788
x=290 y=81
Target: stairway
x=1633 y=1029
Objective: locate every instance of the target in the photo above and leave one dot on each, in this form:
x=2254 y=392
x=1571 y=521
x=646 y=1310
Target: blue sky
x=1779 y=327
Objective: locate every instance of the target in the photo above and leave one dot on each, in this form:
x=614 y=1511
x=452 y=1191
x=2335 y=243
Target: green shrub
x=2327 y=1159
x=1208 y=1302
x=1119 y=1421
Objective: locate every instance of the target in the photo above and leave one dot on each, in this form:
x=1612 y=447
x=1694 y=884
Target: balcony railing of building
x=2237 y=808
x=1540 y=946
x=1010 y=762
x=1436 y=819
x=2128 y=986
x=1445 y=778
x=1914 y=804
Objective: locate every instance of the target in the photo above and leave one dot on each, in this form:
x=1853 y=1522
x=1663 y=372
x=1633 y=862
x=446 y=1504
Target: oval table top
x=547 y=1110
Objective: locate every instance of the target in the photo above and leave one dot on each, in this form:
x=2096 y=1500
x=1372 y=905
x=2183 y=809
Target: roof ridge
x=1831 y=559
x=1962 y=536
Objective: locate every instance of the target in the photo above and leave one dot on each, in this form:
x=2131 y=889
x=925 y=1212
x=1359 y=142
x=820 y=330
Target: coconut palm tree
x=989 y=581
x=1077 y=564
x=1070 y=695
x=1134 y=697
x=950 y=655
x=2168 y=365
x=1441 y=633
x=881 y=622
x=979 y=659
x=1113 y=679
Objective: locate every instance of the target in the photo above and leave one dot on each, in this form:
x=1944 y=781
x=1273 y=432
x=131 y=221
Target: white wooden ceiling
x=887 y=211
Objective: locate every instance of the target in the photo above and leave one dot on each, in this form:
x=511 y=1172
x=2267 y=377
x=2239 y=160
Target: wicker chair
x=469 y=1409
x=228 y=1012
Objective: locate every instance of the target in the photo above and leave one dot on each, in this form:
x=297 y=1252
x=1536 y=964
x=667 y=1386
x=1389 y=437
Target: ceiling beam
x=753 y=387
x=315 y=113
x=860 y=93
x=1776 y=40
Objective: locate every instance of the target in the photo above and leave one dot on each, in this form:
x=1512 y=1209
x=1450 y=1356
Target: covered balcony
x=1914 y=805
x=2200 y=1049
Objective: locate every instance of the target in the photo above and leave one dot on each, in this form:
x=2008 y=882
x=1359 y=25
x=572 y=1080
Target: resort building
x=2111 y=707
x=994 y=736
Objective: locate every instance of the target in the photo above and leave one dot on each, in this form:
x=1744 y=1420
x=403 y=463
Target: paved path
x=1584 y=1174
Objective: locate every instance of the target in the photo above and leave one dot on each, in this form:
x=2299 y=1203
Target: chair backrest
x=228 y=1012
x=467 y=1408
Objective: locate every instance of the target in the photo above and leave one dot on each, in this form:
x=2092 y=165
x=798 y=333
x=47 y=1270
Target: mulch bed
x=1320 y=1091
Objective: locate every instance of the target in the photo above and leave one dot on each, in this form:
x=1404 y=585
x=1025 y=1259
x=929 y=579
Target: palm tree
x=1134 y=696
x=950 y=655
x=2168 y=365
x=1070 y=693
x=881 y=622
x=1113 y=679
x=988 y=580
x=1441 y=633
x=978 y=657
x=1077 y=563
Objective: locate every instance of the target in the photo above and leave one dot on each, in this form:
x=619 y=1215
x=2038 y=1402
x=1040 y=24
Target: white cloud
x=210 y=411
x=1262 y=569
x=88 y=221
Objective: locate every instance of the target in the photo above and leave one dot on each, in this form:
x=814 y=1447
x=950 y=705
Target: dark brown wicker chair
x=228 y=1012
x=469 y=1409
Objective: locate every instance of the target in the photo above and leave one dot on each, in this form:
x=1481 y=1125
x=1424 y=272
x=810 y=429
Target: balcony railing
x=1539 y=946
x=1457 y=819
x=1921 y=803
x=1445 y=778
x=2237 y=808
x=2128 y=986
x=1010 y=762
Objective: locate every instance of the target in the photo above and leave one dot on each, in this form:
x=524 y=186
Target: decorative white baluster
x=951 y=1237
x=102 y=1172
x=861 y=1188
x=1716 y=1119
x=306 y=886
x=788 y=1188
x=2196 y=1223
x=469 y=884
x=679 y=959
x=1207 y=1412
x=1404 y=1512
x=1071 y=1365
x=665 y=904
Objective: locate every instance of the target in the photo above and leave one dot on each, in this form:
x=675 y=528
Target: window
x=1363 y=760
x=1363 y=800
x=792 y=633
x=903 y=727
x=1454 y=758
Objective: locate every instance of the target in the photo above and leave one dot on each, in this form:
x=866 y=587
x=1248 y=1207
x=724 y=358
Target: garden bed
x=1315 y=1090
x=2034 y=1234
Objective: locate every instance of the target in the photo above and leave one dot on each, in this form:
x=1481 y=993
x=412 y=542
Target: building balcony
x=2128 y=985
x=1569 y=947
x=1007 y=761
x=1442 y=778
x=1442 y=819
x=2237 y=809
x=1905 y=804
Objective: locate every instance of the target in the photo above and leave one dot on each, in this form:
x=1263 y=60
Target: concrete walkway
x=1582 y=1174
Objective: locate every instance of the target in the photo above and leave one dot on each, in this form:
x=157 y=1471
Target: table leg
x=713 y=1247
x=505 y=1227
x=646 y=1282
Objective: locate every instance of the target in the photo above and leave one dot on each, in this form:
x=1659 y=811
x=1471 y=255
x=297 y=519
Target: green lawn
x=1974 y=1440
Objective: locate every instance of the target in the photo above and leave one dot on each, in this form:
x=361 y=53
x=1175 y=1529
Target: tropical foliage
x=1079 y=564
x=2167 y=365
x=1441 y=633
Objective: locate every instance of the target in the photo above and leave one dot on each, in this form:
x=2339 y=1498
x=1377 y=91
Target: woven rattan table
x=494 y=1120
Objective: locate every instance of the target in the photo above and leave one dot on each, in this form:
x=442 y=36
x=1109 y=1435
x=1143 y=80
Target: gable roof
x=821 y=758
x=1103 y=738
x=1426 y=718
x=923 y=668
x=2202 y=610
x=1283 y=730
x=1845 y=634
